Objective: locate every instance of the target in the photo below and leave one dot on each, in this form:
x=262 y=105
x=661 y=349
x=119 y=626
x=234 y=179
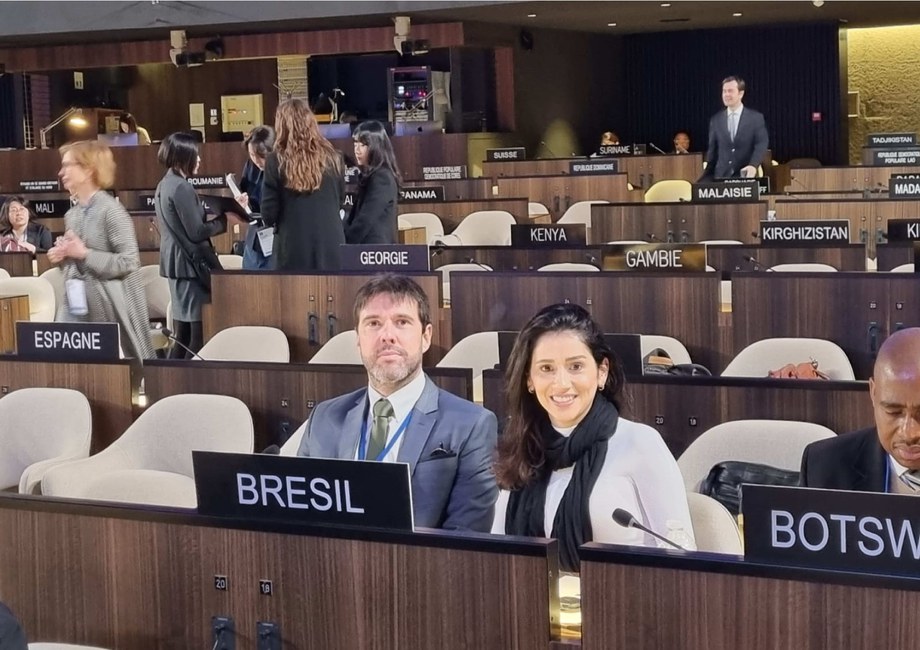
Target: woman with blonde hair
x=98 y=253
x=302 y=192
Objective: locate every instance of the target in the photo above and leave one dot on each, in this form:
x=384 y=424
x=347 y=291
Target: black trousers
x=190 y=335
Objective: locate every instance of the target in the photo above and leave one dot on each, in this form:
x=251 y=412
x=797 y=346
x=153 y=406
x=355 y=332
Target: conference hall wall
x=673 y=83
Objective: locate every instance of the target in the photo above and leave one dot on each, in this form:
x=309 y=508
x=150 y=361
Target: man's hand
x=748 y=172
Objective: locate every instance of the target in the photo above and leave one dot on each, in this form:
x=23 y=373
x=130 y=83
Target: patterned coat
x=114 y=293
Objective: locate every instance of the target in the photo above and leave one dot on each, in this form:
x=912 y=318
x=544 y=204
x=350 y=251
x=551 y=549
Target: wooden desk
x=453 y=212
x=558 y=193
x=151 y=575
x=888 y=256
x=417 y=235
x=19 y=265
x=681 y=409
x=833 y=179
x=467 y=189
x=12 y=309
x=702 y=601
x=280 y=396
x=731 y=258
x=107 y=386
x=679 y=222
x=507 y=258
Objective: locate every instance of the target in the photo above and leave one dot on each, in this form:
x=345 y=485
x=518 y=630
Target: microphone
x=793 y=179
x=655 y=147
x=652 y=236
x=546 y=146
x=682 y=200
x=590 y=258
x=471 y=260
x=757 y=265
x=626 y=520
x=168 y=334
x=755 y=234
x=436 y=249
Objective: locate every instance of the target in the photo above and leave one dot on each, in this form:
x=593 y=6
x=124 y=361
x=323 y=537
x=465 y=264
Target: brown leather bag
x=804 y=370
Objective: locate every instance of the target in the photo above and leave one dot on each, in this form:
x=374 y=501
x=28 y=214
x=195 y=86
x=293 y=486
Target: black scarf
x=586 y=448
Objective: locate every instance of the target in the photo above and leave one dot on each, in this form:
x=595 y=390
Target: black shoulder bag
x=725 y=479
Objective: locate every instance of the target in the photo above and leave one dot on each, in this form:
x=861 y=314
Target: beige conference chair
x=760 y=357
x=477 y=352
x=42 y=301
x=341 y=348
x=714 y=527
x=247 y=343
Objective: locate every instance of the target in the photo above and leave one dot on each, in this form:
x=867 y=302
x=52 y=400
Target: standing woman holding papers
x=98 y=253
x=566 y=459
x=373 y=216
x=302 y=193
x=259 y=144
x=186 y=254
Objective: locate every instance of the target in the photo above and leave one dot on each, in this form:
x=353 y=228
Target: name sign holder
x=506 y=154
x=593 y=167
x=805 y=233
x=891 y=139
x=731 y=191
x=41 y=185
x=667 y=258
x=430 y=194
x=52 y=208
x=865 y=532
x=531 y=235
x=384 y=257
x=896 y=156
x=444 y=173
x=208 y=182
x=904 y=189
x=315 y=491
x=616 y=150
x=68 y=341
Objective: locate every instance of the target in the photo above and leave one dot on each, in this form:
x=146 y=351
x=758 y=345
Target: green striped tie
x=383 y=411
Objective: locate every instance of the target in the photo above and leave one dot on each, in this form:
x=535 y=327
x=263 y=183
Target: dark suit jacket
x=37 y=235
x=373 y=216
x=726 y=157
x=456 y=491
x=852 y=461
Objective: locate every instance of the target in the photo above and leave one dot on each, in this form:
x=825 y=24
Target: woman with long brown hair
x=302 y=193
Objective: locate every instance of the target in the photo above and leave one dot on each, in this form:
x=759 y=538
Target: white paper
x=235 y=190
x=266 y=239
x=76 y=296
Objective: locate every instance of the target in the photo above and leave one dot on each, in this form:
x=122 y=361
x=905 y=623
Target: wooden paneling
x=280 y=396
x=731 y=258
x=557 y=193
x=889 y=256
x=151 y=573
x=18 y=264
x=107 y=386
x=453 y=212
x=855 y=311
x=727 y=603
x=683 y=306
x=681 y=409
x=506 y=258
x=680 y=222
x=148 y=257
x=13 y=308
x=288 y=302
x=468 y=189
x=641 y=171
x=837 y=179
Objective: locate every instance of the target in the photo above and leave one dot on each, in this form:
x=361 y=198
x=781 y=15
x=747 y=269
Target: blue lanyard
x=362 y=445
x=888 y=475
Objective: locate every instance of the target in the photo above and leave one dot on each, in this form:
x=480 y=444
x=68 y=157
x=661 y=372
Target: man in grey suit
x=402 y=416
x=738 y=139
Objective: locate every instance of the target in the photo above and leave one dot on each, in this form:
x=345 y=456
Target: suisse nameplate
x=668 y=258
x=314 y=491
x=742 y=191
x=431 y=194
x=594 y=166
x=616 y=150
x=807 y=233
x=903 y=189
x=891 y=139
x=384 y=257
x=55 y=208
x=444 y=173
x=531 y=235
x=40 y=186
x=901 y=230
x=506 y=154
x=67 y=341
x=905 y=156
x=207 y=182
x=863 y=532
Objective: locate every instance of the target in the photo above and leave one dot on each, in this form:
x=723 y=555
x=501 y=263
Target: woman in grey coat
x=184 y=232
x=98 y=253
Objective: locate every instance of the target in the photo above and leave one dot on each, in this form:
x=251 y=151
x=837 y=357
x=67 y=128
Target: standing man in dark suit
x=738 y=139
x=403 y=417
x=885 y=458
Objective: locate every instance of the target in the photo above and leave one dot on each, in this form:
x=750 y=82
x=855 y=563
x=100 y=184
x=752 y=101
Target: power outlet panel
x=223 y=633
x=268 y=635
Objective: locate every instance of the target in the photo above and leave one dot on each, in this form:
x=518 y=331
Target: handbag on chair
x=723 y=483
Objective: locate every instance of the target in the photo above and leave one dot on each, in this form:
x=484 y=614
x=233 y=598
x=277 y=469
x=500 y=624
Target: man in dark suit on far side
x=738 y=139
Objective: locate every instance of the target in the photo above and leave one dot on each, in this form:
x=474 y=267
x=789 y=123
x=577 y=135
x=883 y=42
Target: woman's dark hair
x=379 y=148
x=130 y=120
x=262 y=140
x=5 y=225
x=520 y=447
x=179 y=152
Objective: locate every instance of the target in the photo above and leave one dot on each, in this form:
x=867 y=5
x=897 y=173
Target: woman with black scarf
x=567 y=459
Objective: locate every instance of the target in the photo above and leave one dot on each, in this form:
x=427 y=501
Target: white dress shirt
x=896 y=484
x=402 y=401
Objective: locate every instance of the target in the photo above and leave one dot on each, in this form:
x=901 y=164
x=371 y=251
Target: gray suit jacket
x=454 y=491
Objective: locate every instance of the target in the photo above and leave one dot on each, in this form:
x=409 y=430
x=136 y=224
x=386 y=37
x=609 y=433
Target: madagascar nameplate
x=891 y=139
x=740 y=191
x=67 y=341
x=432 y=194
x=593 y=166
x=831 y=529
x=384 y=257
x=905 y=156
x=44 y=185
x=814 y=233
x=444 y=173
x=668 y=258
x=902 y=175
x=616 y=150
x=208 y=182
x=904 y=189
x=506 y=154
x=530 y=235
x=55 y=208
x=305 y=490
